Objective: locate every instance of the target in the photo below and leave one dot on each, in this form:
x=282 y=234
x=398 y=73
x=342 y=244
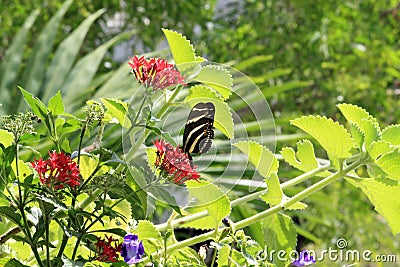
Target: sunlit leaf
x=218 y=78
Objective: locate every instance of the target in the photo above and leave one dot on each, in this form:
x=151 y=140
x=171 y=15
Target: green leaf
x=37 y=106
x=10 y=214
x=218 y=78
x=260 y=156
x=76 y=85
x=390 y=164
x=14 y=263
x=150 y=236
x=357 y=134
x=34 y=75
x=207 y=197
x=365 y=122
x=223 y=255
x=304 y=159
x=6 y=138
x=384 y=194
x=87 y=166
x=332 y=136
x=354 y=113
x=117 y=109
x=182 y=50
x=274 y=194
x=11 y=62
x=223 y=117
x=379 y=148
x=391 y=134
x=65 y=55
x=56 y=105
x=280 y=234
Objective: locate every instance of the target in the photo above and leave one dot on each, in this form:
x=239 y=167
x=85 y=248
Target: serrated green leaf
x=223 y=255
x=354 y=113
x=6 y=138
x=260 y=156
x=11 y=62
x=390 y=164
x=280 y=234
x=384 y=194
x=87 y=165
x=391 y=134
x=37 y=106
x=304 y=159
x=218 y=78
x=117 y=109
x=371 y=131
x=223 y=117
x=379 y=148
x=65 y=55
x=332 y=136
x=182 y=50
x=357 y=134
x=151 y=237
x=274 y=194
x=207 y=197
x=56 y=105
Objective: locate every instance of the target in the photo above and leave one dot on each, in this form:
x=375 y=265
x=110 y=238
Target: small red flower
x=106 y=251
x=57 y=171
x=155 y=72
x=174 y=163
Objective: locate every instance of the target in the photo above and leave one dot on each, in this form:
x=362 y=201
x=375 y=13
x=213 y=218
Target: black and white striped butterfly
x=199 y=133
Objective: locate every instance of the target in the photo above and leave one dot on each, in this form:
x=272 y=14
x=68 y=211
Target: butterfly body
x=199 y=133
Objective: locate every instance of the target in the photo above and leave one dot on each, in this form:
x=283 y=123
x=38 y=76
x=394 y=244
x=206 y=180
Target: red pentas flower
x=175 y=164
x=155 y=72
x=57 y=171
x=106 y=250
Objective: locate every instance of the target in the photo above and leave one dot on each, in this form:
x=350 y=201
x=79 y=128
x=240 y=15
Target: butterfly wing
x=199 y=133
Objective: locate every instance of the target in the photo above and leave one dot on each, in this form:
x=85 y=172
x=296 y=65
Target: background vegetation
x=306 y=56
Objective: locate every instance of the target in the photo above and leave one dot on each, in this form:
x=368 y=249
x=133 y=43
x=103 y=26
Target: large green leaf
x=260 y=156
x=76 y=84
x=56 y=105
x=354 y=113
x=218 y=78
x=384 y=194
x=37 y=106
x=11 y=62
x=280 y=234
x=149 y=235
x=390 y=164
x=332 y=136
x=6 y=138
x=65 y=55
x=391 y=134
x=207 y=197
x=34 y=73
x=223 y=117
x=182 y=50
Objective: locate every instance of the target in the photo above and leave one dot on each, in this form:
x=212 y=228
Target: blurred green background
x=305 y=56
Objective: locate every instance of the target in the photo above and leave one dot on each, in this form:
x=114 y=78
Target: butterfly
x=199 y=133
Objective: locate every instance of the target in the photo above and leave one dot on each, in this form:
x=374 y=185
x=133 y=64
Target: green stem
x=47 y=232
x=81 y=140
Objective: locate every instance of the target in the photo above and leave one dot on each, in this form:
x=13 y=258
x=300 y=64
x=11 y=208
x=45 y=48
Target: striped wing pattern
x=199 y=133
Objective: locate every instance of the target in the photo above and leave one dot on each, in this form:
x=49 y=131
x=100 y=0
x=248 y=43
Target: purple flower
x=132 y=249
x=305 y=259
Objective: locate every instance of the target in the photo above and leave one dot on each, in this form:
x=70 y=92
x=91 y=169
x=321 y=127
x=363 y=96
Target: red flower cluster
x=105 y=249
x=174 y=163
x=57 y=171
x=155 y=72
